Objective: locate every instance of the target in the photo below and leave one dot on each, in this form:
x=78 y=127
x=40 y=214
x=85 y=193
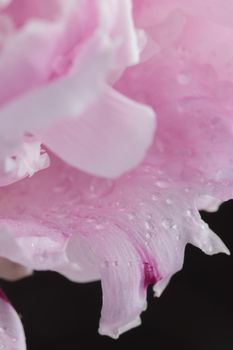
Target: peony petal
x=12 y=333
x=120 y=272
x=130 y=232
x=72 y=93
x=12 y=271
x=129 y=49
x=27 y=102
x=194 y=113
x=109 y=139
x=195 y=31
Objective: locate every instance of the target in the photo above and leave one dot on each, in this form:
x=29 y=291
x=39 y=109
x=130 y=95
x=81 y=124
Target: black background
x=195 y=311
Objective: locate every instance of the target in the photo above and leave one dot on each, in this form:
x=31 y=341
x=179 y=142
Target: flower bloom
x=85 y=80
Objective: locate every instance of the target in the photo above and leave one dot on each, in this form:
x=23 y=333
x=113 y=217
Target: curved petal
x=130 y=232
x=12 y=333
x=119 y=266
x=109 y=139
x=26 y=102
x=12 y=271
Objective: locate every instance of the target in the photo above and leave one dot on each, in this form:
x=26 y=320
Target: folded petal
x=110 y=138
x=12 y=333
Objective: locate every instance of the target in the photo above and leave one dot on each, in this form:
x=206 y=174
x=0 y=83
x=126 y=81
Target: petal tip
x=115 y=331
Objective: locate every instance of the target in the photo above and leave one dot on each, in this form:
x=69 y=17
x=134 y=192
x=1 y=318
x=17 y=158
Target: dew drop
x=131 y=216
x=183 y=79
x=166 y=223
x=169 y=223
x=99 y=188
x=105 y=264
x=148 y=235
x=99 y=227
x=147 y=225
x=162 y=184
x=204 y=226
x=168 y=201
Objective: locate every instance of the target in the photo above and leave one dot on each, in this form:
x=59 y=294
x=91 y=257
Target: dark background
x=195 y=311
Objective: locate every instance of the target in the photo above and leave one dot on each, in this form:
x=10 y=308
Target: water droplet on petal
x=166 y=223
x=148 y=235
x=131 y=216
x=169 y=223
x=105 y=264
x=183 y=79
x=99 y=227
x=168 y=201
x=147 y=225
x=162 y=184
x=204 y=226
x=99 y=188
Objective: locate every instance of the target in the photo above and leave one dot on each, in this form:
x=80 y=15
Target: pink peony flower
x=68 y=86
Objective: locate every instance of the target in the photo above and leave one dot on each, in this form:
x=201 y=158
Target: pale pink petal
x=130 y=232
x=11 y=329
x=27 y=10
x=72 y=93
x=96 y=141
x=12 y=271
x=193 y=31
x=194 y=116
x=38 y=247
x=81 y=76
